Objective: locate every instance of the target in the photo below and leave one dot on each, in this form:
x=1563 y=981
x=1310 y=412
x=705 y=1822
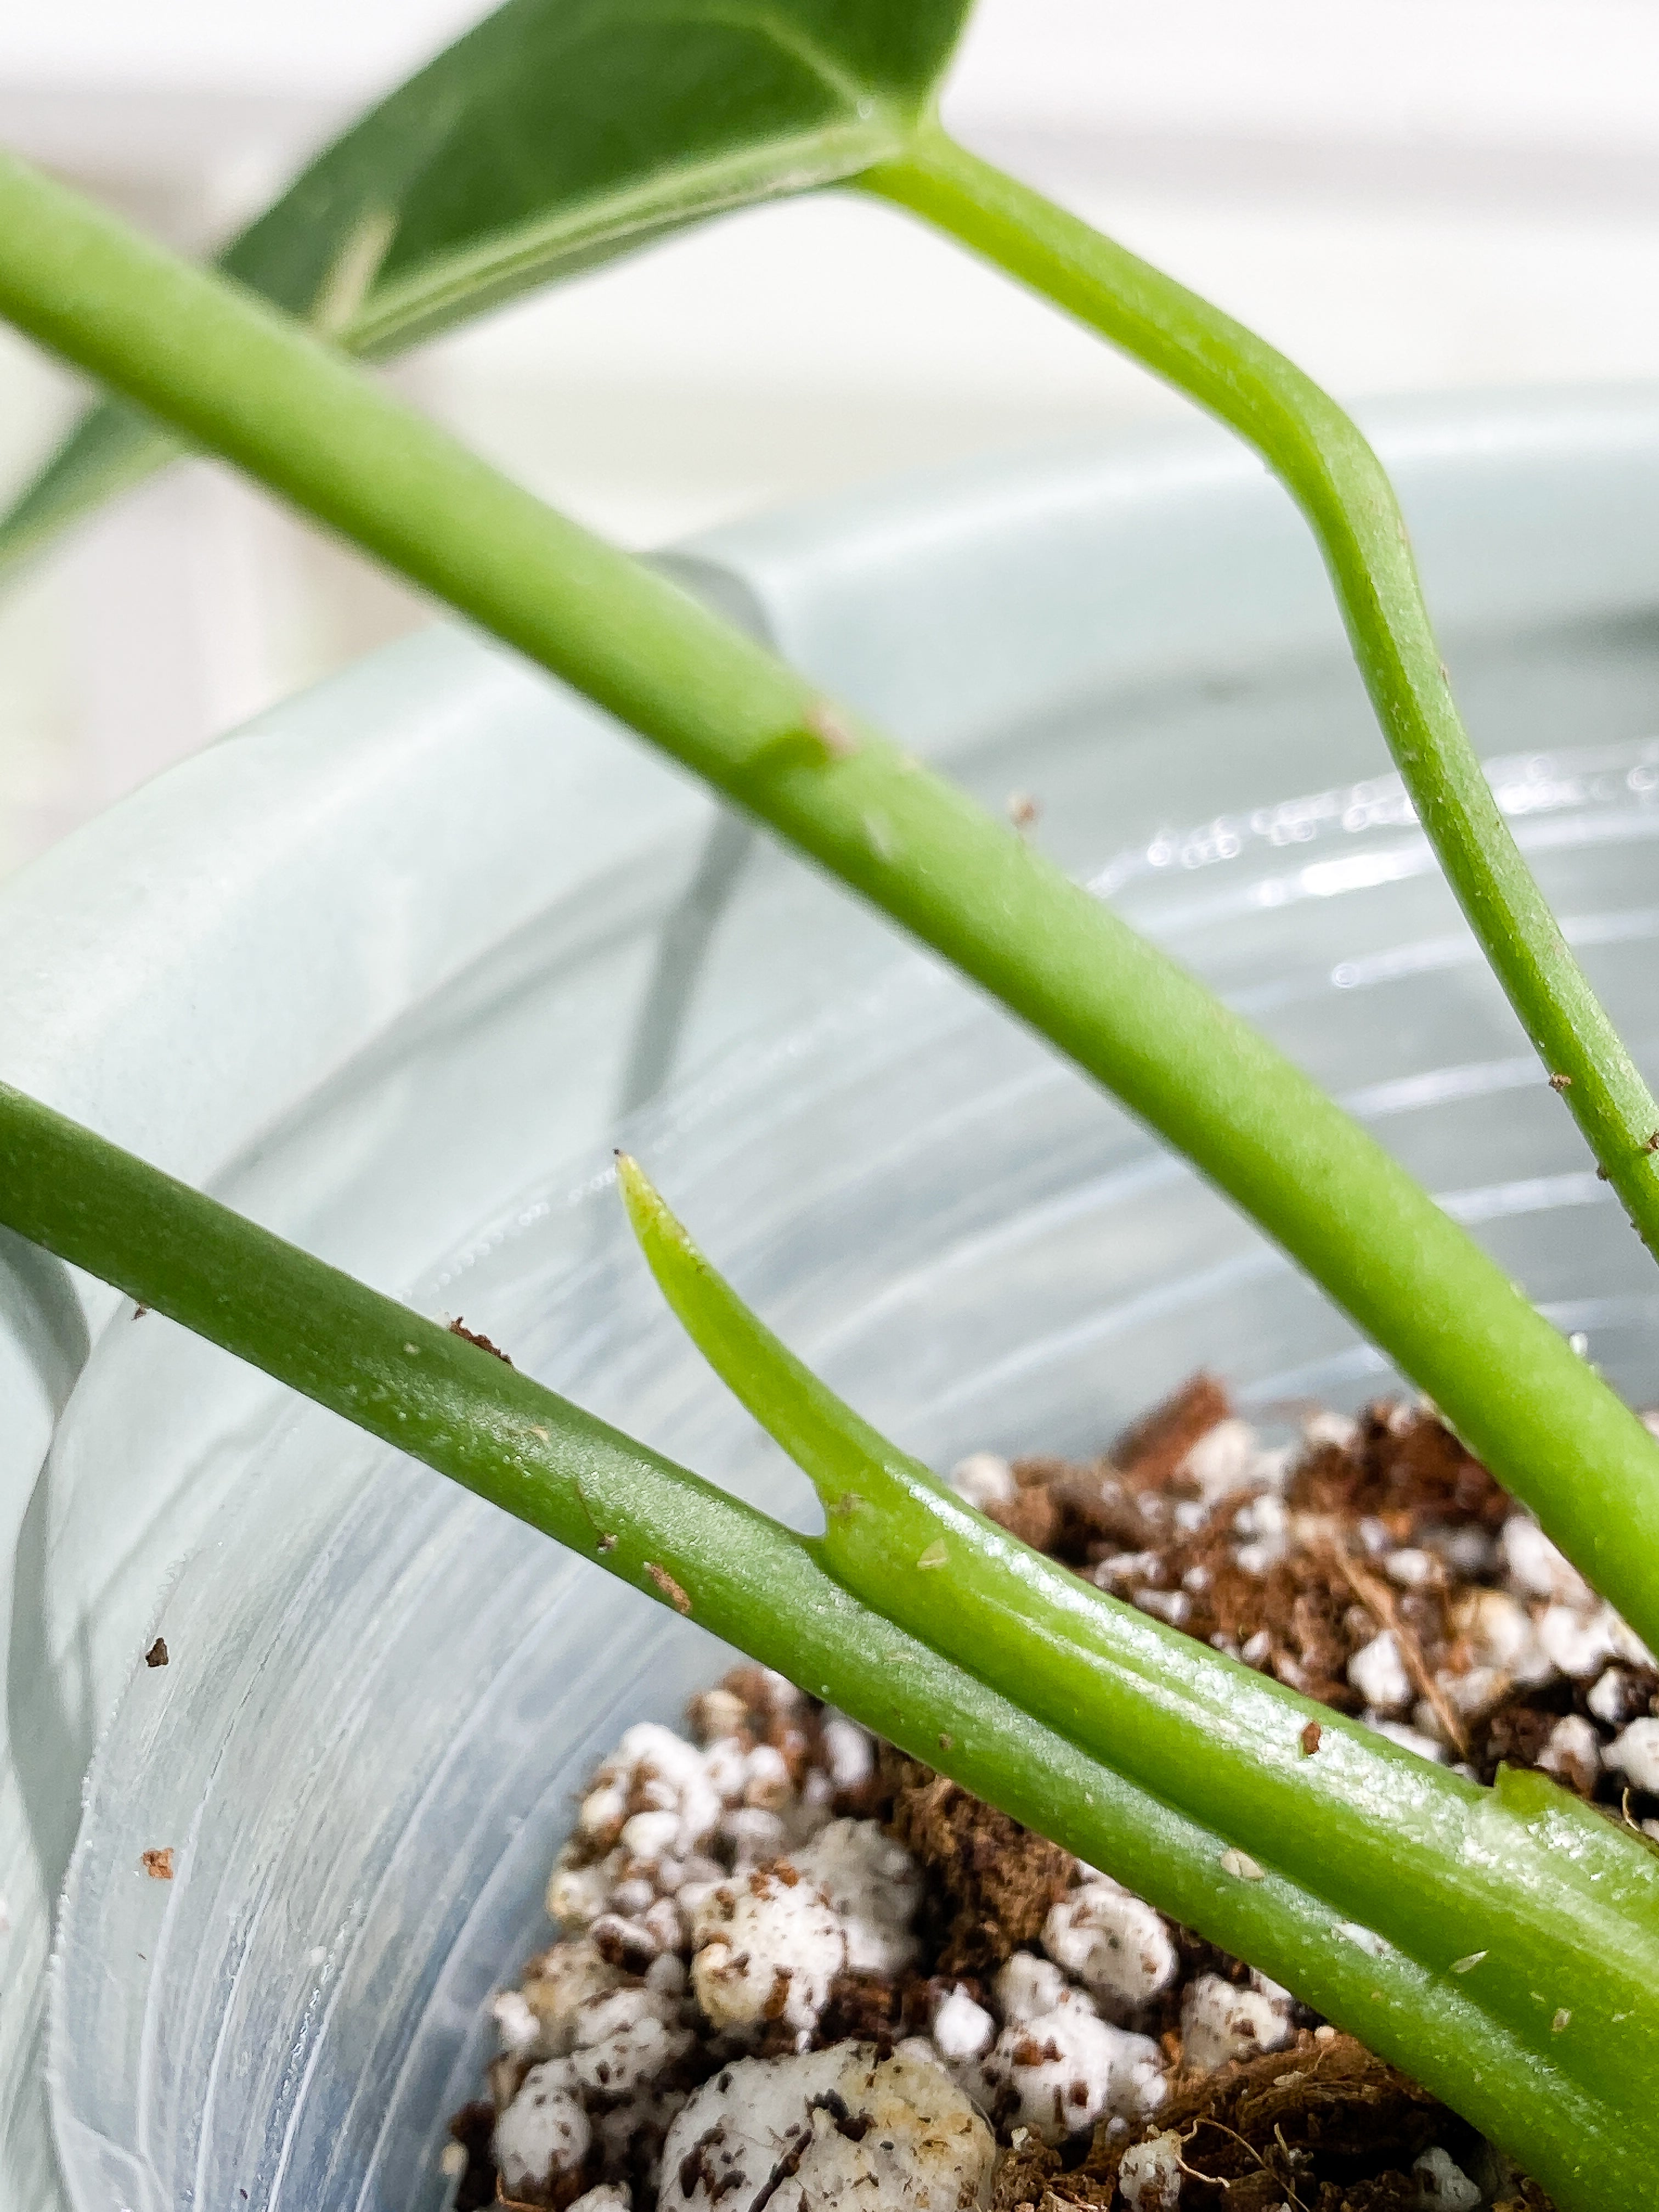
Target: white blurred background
x=1405 y=194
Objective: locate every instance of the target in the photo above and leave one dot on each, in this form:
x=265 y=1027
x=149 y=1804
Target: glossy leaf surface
x=555 y=135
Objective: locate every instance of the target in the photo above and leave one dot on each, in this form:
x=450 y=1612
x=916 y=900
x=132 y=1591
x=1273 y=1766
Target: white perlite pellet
x=1223 y=1459
x=1117 y=1946
x=1378 y=1673
x=853 y=2131
x=1221 y=2022
x=851 y=1754
x=518 y=2026
x=1634 y=1754
x=543 y=2134
x=1058 y=2071
x=1150 y=2174
x=984 y=1479
x=1502 y=1640
x=962 y=2030
x=1573 y=1752
x=625 y=2039
x=1443 y=2184
x=1537 y=1567
x=1578 y=1644
x=873 y=1886
x=1617 y=1698
x=767 y=1948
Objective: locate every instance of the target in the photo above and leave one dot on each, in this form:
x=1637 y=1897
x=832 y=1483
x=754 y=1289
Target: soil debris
x=1152 y=1452
x=992 y=1883
x=1323 y=2125
x=158 y=1864
x=789 y=1886
x=157 y=1654
x=471 y=2129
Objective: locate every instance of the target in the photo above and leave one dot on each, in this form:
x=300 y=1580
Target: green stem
x=1562 y=1922
x=755 y=1584
x=239 y=379
x=1341 y=486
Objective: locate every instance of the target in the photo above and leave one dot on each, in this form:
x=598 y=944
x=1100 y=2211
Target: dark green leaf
x=555 y=135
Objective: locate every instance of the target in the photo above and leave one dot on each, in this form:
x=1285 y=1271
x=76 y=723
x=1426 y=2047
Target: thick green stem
x=239 y=379
x=1562 y=1924
x=1345 y=493
x=745 y=1578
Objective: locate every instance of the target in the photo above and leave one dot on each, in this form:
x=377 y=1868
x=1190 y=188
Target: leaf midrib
x=417 y=306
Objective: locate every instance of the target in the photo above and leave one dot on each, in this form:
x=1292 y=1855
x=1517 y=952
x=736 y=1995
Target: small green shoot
x=1561 y=1907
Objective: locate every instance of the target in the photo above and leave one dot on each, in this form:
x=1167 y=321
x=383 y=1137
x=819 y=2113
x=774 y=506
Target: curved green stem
x=1566 y=1927
x=1341 y=486
x=241 y=381
x=757 y=1585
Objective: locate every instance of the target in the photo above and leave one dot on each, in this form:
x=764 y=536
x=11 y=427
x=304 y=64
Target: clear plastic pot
x=381 y=1695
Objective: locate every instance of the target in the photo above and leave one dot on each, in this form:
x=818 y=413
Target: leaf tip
x=647 y=1211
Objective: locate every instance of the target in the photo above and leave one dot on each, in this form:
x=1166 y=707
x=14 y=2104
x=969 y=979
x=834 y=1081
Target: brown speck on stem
x=158 y=1865
x=946 y=1742
x=1651 y=1143
x=458 y=1327
x=1601 y=1175
x=138 y=1312
x=1023 y=810
x=1310 y=1739
x=604 y=1540
x=157 y=1654
x=825 y=721
x=1560 y=2020
x=670 y=1589
x=1560 y=1083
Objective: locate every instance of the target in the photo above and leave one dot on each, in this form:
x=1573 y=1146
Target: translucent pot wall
x=394 y=968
